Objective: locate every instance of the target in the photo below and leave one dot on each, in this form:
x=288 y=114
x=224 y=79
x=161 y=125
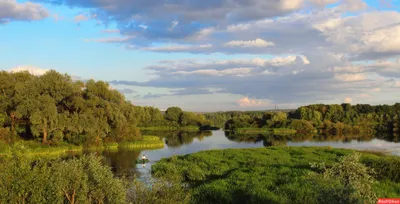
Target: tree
x=173 y=114
x=302 y=126
x=10 y=85
x=42 y=113
x=188 y=118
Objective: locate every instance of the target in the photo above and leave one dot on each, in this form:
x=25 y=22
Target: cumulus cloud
x=31 y=69
x=253 y=27
x=290 y=79
x=160 y=17
x=318 y=50
x=246 y=102
x=11 y=10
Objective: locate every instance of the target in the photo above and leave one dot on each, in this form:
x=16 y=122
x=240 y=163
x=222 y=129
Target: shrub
x=348 y=181
x=159 y=191
x=83 y=180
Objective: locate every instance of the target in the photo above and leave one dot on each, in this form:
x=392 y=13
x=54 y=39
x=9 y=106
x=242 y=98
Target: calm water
x=123 y=162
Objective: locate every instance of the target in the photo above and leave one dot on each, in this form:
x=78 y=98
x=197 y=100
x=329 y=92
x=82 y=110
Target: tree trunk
x=44 y=135
x=12 y=116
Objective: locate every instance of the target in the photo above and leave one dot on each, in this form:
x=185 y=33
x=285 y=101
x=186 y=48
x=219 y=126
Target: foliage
x=83 y=180
x=158 y=191
x=53 y=109
x=275 y=175
x=327 y=119
x=302 y=126
x=354 y=178
x=173 y=114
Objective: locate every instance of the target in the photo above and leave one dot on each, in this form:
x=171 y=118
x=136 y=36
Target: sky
x=213 y=55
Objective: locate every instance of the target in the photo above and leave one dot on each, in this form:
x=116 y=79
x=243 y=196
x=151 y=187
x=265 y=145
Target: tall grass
x=147 y=142
x=36 y=149
x=275 y=174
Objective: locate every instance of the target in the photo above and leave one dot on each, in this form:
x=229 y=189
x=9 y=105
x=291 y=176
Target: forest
x=321 y=118
x=54 y=110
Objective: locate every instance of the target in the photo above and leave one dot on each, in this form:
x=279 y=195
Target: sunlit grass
x=278 y=131
x=36 y=149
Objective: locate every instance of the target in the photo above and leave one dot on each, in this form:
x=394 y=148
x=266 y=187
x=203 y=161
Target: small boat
x=142 y=161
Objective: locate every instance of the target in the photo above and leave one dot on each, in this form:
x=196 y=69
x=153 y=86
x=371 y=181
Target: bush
x=386 y=168
x=83 y=180
x=348 y=181
x=159 y=191
x=302 y=126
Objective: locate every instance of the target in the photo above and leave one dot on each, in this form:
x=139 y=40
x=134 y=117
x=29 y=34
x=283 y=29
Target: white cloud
x=174 y=24
x=31 y=69
x=251 y=43
x=11 y=10
x=246 y=102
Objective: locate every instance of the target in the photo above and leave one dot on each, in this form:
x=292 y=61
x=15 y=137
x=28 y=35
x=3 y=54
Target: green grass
x=283 y=131
x=36 y=149
x=185 y=128
x=267 y=175
x=278 y=131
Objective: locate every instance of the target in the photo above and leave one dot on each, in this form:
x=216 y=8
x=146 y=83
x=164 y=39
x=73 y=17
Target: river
x=123 y=163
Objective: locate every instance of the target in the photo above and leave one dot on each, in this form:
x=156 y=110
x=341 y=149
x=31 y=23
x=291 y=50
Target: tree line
x=330 y=119
x=54 y=109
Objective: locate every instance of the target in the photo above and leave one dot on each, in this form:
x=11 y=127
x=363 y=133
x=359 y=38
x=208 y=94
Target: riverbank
x=276 y=131
x=32 y=148
x=277 y=174
x=163 y=128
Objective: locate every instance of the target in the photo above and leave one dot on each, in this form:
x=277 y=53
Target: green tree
x=173 y=114
x=302 y=126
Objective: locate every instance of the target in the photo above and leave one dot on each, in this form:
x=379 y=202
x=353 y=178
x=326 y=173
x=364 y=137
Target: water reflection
x=176 y=139
x=283 y=140
x=123 y=163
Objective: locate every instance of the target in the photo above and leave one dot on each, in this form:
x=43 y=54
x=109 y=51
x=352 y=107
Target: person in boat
x=144 y=159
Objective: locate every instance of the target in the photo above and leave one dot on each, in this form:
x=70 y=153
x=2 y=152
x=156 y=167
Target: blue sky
x=213 y=55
